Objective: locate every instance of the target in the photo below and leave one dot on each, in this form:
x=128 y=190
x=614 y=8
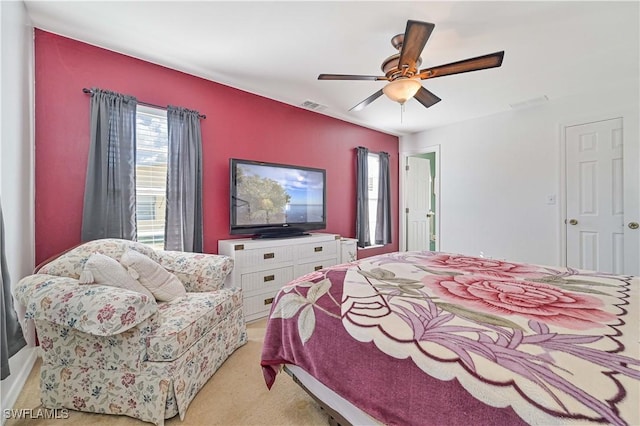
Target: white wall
x=497 y=171
x=16 y=165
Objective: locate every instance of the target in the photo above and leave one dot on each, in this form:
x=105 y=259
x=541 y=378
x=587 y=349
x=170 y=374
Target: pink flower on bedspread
x=537 y=301
x=479 y=265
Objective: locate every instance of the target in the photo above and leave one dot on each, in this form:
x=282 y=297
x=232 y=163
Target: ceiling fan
x=402 y=69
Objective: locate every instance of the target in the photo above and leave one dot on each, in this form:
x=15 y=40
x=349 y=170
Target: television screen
x=273 y=199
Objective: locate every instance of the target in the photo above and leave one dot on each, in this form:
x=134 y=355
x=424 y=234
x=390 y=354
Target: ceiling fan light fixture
x=402 y=89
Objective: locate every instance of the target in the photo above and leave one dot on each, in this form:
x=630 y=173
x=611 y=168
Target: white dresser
x=262 y=266
x=348 y=250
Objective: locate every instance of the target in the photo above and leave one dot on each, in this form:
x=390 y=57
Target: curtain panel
x=183 y=228
x=362 y=197
x=110 y=190
x=11 y=337
x=383 y=213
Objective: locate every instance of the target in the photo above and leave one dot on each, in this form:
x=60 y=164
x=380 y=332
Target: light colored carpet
x=235 y=395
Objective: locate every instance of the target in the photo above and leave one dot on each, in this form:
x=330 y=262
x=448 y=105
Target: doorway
x=420 y=200
x=600 y=226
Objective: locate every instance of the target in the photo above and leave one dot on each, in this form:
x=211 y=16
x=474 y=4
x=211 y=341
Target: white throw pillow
x=104 y=270
x=165 y=286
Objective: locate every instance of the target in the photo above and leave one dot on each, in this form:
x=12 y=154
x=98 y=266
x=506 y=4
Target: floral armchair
x=112 y=350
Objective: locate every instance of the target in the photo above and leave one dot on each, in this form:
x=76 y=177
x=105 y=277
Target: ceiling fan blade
x=415 y=37
x=350 y=77
x=367 y=101
x=426 y=98
x=491 y=60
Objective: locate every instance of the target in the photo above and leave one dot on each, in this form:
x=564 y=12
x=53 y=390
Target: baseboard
x=21 y=365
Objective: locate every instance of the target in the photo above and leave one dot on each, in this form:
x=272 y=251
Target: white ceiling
x=277 y=49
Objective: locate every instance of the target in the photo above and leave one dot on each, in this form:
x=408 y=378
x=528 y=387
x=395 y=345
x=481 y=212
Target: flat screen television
x=271 y=200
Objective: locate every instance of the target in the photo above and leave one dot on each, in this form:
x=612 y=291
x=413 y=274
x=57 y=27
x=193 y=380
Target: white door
x=595 y=196
x=418 y=203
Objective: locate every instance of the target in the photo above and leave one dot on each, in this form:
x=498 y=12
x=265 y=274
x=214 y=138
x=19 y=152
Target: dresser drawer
x=261 y=281
x=305 y=268
x=317 y=250
x=262 y=258
x=259 y=305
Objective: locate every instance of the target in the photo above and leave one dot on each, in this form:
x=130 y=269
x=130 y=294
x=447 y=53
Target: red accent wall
x=238 y=124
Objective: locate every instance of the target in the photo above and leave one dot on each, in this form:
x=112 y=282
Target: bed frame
x=340 y=411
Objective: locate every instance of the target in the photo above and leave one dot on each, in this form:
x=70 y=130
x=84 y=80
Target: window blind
x=151 y=174
x=373 y=166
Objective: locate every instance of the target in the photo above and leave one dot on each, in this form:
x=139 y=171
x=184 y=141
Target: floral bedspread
x=436 y=338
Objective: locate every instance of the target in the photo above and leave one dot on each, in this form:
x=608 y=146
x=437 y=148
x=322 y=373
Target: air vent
x=314 y=106
x=529 y=102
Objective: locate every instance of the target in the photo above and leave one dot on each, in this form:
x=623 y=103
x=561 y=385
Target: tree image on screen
x=260 y=199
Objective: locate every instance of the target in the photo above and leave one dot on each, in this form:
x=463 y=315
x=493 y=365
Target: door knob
x=573 y=222
x=633 y=225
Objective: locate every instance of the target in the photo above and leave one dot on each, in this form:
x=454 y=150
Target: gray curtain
x=183 y=228
x=11 y=340
x=110 y=188
x=383 y=213
x=362 y=194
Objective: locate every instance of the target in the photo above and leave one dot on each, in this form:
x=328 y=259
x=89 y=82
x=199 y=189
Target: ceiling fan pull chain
x=401 y=112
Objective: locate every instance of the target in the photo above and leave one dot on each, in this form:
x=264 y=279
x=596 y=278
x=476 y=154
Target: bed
x=431 y=338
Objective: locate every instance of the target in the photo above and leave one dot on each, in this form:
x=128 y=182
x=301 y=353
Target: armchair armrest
x=95 y=309
x=198 y=272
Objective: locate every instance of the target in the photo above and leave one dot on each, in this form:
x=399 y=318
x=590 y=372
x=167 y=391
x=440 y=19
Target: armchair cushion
x=163 y=284
x=97 y=309
x=104 y=270
x=185 y=321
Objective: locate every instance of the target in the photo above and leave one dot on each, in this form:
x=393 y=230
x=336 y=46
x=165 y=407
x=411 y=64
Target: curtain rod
x=89 y=91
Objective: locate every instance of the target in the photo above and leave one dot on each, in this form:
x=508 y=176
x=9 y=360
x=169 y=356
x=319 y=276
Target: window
x=151 y=174
x=373 y=166
x=373 y=202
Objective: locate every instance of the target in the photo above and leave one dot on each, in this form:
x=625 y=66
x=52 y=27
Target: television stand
x=263 y=266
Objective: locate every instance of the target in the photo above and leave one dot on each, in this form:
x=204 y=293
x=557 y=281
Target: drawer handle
x=317 y=249
x=268 y=301
x=269 y=278
x=317 y=268
x=269 y=255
